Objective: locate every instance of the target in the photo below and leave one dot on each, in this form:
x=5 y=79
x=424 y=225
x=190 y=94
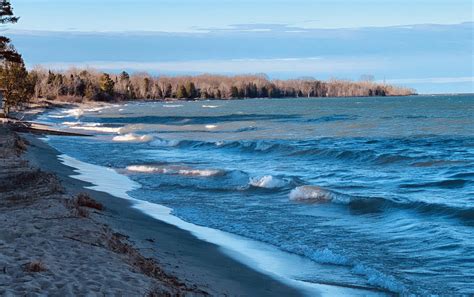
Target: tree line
x=89 y=84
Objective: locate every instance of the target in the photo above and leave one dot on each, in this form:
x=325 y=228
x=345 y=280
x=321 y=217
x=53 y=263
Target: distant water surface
x=379 y=190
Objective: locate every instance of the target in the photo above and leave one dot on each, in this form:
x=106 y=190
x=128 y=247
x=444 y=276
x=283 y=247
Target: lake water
x=379 y=192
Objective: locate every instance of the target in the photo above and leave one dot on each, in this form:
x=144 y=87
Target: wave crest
x=97 y=129
x=311 y=194
x=164 y=142
x=174 y=169
x=267 y=182
x=133 y=138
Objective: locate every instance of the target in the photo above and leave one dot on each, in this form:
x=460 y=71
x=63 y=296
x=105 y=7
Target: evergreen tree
x=91 y=91
x=106 y=84
x=124 y=76
x=191 y=90
x=79 y=87
x=18 y=87
x=234 y=92
x=168 y=91
x=7 y=52
x=181 y=92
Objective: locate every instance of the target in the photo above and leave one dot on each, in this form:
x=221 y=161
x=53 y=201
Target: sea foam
x=311 y=194
x=80 y=124
x=98 y=129
x=174 y=169
x=379 y=279
x=164 y=142
x=267 y=181
x=75 y=112
x=133 y=138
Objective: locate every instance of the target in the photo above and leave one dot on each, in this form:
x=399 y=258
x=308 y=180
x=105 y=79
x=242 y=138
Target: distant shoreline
x=77 y=85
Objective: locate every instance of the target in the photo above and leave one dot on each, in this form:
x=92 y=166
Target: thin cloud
x=432 y=80
x=314 y=65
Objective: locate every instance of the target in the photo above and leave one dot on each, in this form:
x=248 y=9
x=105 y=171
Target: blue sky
x=189 y=15
x=419 y=43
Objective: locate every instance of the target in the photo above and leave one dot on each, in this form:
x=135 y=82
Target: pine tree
x=17 y=85
x=106 y=84
x=7 y=52
x=181 y=92
x=191 y=90
x=168 y=91
x=234 y=92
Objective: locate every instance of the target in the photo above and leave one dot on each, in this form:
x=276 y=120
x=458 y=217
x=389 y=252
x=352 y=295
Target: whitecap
x=98 y=129
x=318 y=194
x=164 y=142
x=145 y=168
x=210 y=106
x=133 y=138
x=97 y=109
x=379 y=279
x=57 y=116
x=211 y=126
x=75 y=112
x=267 y=181
x=174 y=169
x=311 y=193
x=199 y=172
x=262 y=146
x=78 y=124
x=172 y=105
x=326 y=256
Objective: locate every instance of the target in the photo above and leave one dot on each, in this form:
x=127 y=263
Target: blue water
x=390 y=202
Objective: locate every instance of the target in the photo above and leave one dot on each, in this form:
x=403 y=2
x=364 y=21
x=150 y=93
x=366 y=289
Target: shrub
x=84 y=200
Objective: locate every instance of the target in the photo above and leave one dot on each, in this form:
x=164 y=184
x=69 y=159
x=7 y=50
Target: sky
x=425 y=44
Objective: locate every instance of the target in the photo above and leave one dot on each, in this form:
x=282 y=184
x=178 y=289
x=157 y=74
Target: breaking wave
x=164 y=142
x=267 y=182
x=97 y=129
x=174 y=170
x=80 y=124
x=316 y=194
x=133 y=138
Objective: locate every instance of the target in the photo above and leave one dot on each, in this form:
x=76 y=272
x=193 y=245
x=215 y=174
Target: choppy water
x=379 y=190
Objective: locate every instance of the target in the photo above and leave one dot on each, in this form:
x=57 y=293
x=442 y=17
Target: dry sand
x=49 y=244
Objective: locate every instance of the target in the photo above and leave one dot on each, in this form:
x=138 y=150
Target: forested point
x=79 y=85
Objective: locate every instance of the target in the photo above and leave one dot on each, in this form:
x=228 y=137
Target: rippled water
x=379 y=189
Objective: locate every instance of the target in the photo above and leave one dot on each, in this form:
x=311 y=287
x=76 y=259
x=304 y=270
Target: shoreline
x=213 y=266
x=52 y=243
x=200 y=264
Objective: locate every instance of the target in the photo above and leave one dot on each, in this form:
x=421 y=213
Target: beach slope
x=55 y=244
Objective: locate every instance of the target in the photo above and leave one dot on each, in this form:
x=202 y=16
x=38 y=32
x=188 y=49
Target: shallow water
x=380 y=190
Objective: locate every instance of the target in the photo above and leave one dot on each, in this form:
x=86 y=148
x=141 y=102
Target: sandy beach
x=54 y=244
